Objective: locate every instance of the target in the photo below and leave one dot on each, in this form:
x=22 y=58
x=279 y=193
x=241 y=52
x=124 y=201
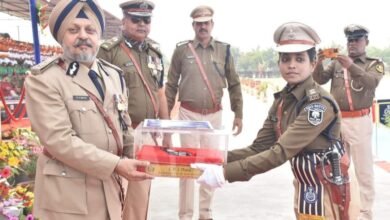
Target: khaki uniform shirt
x=184 y=75
x=301 y=129
x=363 y=78
x=149 y=60
x=77 y=181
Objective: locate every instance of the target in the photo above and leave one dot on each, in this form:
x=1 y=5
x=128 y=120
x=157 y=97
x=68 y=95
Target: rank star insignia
x=315 y=113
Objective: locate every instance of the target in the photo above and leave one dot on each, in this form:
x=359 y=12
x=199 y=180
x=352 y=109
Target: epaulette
x=105 y=63
x=378 y=63
x=313 y=94
x=182 y=43
x=220 y=42
x=43 y=66
x=110 y=43
x=154 y=46
x=152 y=43
x=374 y=58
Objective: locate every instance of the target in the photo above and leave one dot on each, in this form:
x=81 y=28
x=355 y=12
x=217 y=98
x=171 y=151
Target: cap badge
x=143 y=5
x=291 y=34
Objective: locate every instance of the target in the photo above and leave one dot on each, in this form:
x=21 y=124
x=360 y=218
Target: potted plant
x=18 y=157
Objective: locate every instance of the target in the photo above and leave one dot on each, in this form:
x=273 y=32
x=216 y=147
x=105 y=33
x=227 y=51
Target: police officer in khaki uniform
x=78 y=174
x=354 y=80
x=199 y=71
x=141 y=61
x=302 y=127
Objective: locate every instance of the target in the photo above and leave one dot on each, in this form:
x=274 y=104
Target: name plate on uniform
x=176 y=161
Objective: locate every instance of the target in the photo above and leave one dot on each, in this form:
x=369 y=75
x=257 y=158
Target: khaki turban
x=67 y=10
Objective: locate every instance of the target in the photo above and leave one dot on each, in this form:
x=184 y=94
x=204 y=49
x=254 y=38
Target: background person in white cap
x=141 y=61
x=302 y=125
x=354 y=80
x=200 y=94
x=79 y=173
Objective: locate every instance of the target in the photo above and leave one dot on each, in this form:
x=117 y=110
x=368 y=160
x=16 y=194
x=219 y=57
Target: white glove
x=212 y=175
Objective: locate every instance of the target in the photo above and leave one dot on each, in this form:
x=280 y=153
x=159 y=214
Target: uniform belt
x=203 y=111
x=354 y=114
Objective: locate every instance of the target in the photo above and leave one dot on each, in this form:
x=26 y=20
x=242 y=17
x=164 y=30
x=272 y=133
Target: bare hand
x=127 y=168
x=345 y=61
x=237 y=126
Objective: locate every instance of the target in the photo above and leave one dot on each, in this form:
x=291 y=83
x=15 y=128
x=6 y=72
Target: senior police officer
x=200 y=69
x=303 y=127
x=354 y=80
x=141 y=61
x=76 y=106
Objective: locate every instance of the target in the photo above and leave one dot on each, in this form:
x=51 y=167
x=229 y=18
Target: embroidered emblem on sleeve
x=315 y=113
x=310 y=195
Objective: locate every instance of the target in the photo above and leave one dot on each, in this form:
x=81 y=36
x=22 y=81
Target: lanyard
x=131 y=56
x=203 y=73
x=348 y=89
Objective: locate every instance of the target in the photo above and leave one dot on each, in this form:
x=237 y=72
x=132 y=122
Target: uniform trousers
x=357 y=133
x=137 y=197
x=186 y=194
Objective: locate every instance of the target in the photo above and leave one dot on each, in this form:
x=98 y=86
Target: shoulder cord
x=109 y=122
x=130 y=55
x=203 y=73
x=348 y=89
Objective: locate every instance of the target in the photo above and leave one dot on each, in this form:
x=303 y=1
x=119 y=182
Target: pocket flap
x=56 y=168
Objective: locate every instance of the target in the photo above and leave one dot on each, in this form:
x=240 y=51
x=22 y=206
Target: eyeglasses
x=138 y=19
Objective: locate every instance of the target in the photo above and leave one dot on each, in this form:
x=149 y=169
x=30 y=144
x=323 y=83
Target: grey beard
x=81 y=58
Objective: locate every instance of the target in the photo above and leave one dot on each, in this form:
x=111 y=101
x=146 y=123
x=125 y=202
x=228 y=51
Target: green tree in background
x=262 y=63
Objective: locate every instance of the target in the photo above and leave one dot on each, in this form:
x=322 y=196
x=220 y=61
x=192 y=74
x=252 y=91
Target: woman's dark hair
x=312 y=54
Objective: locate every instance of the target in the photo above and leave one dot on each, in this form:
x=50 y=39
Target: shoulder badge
x=43 y=66
x=380 y=68
x=183 y=43
x=313 y=94
x=315 y=113
x=110 y=43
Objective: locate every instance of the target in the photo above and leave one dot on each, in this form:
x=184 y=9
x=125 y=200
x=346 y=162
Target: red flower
x=6 y=172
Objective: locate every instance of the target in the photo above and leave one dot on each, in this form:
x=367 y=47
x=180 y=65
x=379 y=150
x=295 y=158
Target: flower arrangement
x=18 y=157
